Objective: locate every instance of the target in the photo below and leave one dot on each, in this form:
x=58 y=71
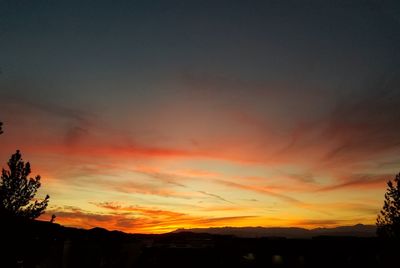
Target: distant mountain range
x=358 y=230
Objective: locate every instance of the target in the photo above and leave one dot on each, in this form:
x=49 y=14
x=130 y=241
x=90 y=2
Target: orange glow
x=244 y=173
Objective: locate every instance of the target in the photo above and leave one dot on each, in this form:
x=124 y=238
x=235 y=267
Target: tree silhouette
x=388 y=221
x=17 y=190
x=1 y=127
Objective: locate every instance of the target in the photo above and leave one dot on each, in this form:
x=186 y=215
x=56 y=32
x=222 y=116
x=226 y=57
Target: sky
x=148 y=116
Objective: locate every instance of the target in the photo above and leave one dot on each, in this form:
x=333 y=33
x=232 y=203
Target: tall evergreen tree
x=388 y=221
x=17 y=190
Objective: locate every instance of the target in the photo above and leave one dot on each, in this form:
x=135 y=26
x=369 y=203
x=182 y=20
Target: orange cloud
x=137 y=219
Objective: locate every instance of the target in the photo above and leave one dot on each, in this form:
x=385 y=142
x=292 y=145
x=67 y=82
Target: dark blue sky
x=335 y=44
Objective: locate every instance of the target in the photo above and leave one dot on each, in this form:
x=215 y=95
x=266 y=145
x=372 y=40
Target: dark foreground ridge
x=43 y=244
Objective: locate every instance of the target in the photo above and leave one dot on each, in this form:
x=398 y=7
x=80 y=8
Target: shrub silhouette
x=388 y=221
x=17 y=190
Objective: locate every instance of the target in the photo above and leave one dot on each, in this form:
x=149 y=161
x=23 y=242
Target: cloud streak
x=359 y=181
x=262 y=190
x=215 y=196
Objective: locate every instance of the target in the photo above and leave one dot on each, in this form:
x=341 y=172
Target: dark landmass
x=358 y=230
x=44 y=245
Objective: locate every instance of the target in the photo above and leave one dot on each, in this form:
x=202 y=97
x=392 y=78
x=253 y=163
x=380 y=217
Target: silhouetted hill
x=358 y=230
x=27 y=243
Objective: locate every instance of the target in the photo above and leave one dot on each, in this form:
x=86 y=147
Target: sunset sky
x=148 y=116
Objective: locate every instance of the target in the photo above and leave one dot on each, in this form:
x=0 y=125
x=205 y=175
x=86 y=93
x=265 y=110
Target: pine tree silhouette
x=17 y=190
x=388 y=221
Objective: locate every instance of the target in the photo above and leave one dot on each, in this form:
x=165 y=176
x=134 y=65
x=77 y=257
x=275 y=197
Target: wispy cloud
x=357 y=181
x=150 y=189
x=262 y=190
x=215 y=196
